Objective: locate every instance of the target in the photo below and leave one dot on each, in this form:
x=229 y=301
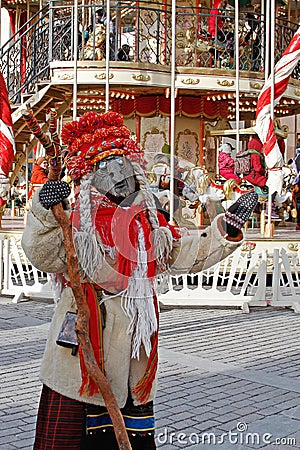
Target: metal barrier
x=286 y=280
x=18 y=277
x=243 y=279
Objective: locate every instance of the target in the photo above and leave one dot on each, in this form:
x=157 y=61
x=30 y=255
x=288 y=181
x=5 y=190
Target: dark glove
x=53 y=192
x=238 y=213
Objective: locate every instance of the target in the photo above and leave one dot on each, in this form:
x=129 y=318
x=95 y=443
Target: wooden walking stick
x=82 y=325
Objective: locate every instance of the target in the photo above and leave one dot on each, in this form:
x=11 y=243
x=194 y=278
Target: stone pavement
x=227 y=380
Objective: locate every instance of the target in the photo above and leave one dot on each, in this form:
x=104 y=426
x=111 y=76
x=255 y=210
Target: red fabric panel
x=187 y=106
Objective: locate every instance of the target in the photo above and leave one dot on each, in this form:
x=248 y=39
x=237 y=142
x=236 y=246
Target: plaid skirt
x=61 y=425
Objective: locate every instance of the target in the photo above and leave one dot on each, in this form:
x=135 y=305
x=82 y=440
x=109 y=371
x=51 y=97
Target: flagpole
x=0 y=22
x=107 y=55
x=75 y=40
x=267 y=40
x=269 y=230
x=172 y=115
x=237 y=74
x=26 y=173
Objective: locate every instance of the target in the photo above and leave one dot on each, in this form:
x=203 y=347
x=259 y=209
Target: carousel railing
x=146 y=30
x=24 y=57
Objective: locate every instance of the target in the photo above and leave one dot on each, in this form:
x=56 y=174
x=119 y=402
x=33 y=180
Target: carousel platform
x=285 y=237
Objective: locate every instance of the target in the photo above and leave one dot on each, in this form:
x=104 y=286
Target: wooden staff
x=82 y=324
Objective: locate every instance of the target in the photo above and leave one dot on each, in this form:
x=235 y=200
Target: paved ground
x=227 y=380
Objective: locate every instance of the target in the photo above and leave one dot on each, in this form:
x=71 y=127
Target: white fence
x=246 y=278
x=18 y=277
x=243 y=279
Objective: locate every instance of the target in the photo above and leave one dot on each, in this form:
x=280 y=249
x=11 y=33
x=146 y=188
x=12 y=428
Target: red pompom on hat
x=255 y=144
x=94 y=137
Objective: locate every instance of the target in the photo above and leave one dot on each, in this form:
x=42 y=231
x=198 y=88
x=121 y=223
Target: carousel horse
x=159 y=175
x=94 y=48
x=283 y=200
x=233 y=190
x=200 y=193
x=199 y=185
x=159 y=180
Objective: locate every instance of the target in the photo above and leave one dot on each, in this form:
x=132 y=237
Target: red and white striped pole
x=264 y=122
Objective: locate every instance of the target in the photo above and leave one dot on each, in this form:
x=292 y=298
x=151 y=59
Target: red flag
x=7 y=141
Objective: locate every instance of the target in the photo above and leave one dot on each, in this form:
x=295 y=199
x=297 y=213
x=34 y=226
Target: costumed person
x=257 y=175
x=102 y=19
x=226 y=162
x=122 y=243
x=39 y=174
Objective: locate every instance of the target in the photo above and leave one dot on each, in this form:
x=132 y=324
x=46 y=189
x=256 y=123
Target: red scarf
x=119 y=229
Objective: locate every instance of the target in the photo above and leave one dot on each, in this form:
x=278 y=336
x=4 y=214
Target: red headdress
x=94 y=137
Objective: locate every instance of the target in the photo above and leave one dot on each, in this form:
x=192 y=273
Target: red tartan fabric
x=60 y=422
x=61 y=426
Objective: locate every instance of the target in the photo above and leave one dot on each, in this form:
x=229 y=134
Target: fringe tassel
x=57 y=286
x=89 y=247
x=88 y=386
x=162 y=241
x=138 y=305
x=142 y=390
x=89 y=253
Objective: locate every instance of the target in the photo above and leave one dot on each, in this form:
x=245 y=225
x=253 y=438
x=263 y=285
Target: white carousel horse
x=201 y=192
x=200 y=186
x=233 y=190
x=158 y=174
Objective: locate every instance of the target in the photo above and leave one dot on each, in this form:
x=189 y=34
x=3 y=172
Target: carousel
x=189 y=77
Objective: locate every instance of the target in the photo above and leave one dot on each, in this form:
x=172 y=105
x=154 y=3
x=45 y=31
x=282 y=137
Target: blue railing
x=139 y=34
